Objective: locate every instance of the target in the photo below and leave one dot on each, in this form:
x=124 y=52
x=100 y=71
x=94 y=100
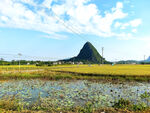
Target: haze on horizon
x=59 y=28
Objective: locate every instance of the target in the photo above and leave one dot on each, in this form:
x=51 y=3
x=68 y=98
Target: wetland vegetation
x=75 y=88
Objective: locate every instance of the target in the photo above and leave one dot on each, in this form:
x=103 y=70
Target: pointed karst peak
x=148 y=59
x=88 y=43
x=89 y=53
x=87 y=46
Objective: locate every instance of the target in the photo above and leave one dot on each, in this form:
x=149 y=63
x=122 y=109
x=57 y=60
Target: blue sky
x=55 y=29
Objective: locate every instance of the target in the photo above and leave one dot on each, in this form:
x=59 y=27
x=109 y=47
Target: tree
x=1 y=59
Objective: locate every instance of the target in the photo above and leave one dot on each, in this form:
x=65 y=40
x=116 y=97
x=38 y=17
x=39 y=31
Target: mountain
x=88 y=54
x=148 y=59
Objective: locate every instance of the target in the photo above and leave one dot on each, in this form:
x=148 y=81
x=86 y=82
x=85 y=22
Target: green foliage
x=139 y=107
x=25 y=62
x=146 y=96
x=122 y=103
x=126 y=104
x=11 y=105
x=88 y=108
x=144 y=63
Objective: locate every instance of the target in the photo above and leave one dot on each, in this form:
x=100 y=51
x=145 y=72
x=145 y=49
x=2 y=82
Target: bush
x=139 y=107
x=122 y=103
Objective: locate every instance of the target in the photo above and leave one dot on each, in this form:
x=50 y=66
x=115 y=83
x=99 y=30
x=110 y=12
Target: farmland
x=122 y=70
x=98 y=72
x=75 y=88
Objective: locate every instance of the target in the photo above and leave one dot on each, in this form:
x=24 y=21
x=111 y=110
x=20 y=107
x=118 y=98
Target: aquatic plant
x=122 y=103
x=62 y=94
x=146 y=96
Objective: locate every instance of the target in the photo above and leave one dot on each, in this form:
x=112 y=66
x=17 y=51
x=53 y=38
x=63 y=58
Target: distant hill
x=148 y=59
x=128 y=62
x=88 y=54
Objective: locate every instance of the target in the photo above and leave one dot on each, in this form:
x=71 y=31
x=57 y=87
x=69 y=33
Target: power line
x=31 y=57
x=71 y=28
x=7 y=54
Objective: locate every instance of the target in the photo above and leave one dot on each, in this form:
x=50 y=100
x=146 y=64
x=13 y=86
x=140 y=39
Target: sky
x=57 y=29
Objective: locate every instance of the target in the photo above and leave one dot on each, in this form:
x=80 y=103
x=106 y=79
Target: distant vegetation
x=25 y=62
x=132 y=62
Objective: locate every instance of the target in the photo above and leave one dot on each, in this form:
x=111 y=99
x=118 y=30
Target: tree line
x=25 y=62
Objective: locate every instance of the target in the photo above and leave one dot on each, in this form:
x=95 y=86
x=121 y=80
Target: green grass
x=122 y=106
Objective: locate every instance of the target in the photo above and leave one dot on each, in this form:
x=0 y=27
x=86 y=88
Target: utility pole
x=144 y=60
x=144 y=57
x=102 y=54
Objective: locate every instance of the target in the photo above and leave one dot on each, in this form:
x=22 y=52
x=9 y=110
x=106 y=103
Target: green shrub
x=122 y=103
x=146 y=96
x=139 y=107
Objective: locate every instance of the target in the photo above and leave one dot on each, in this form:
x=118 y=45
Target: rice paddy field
x=75 y=89
x=116 y=70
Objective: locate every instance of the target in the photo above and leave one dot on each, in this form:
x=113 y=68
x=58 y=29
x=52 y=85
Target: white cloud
x=119 y=5
x=80 y=15
x=133 y=23
x=59 y=9
x=134 y=30
x=55 y=36
x=4 y=18
x=83 y=17
x=105 y=23
x=136 y=22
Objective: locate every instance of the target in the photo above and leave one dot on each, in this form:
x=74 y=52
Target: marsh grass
x=47 y=75
x=127 y=105
x=58 y=75
x=59 y=100
x=13 y=107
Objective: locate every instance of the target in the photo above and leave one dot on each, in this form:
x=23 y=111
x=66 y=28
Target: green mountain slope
x=88 y=54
